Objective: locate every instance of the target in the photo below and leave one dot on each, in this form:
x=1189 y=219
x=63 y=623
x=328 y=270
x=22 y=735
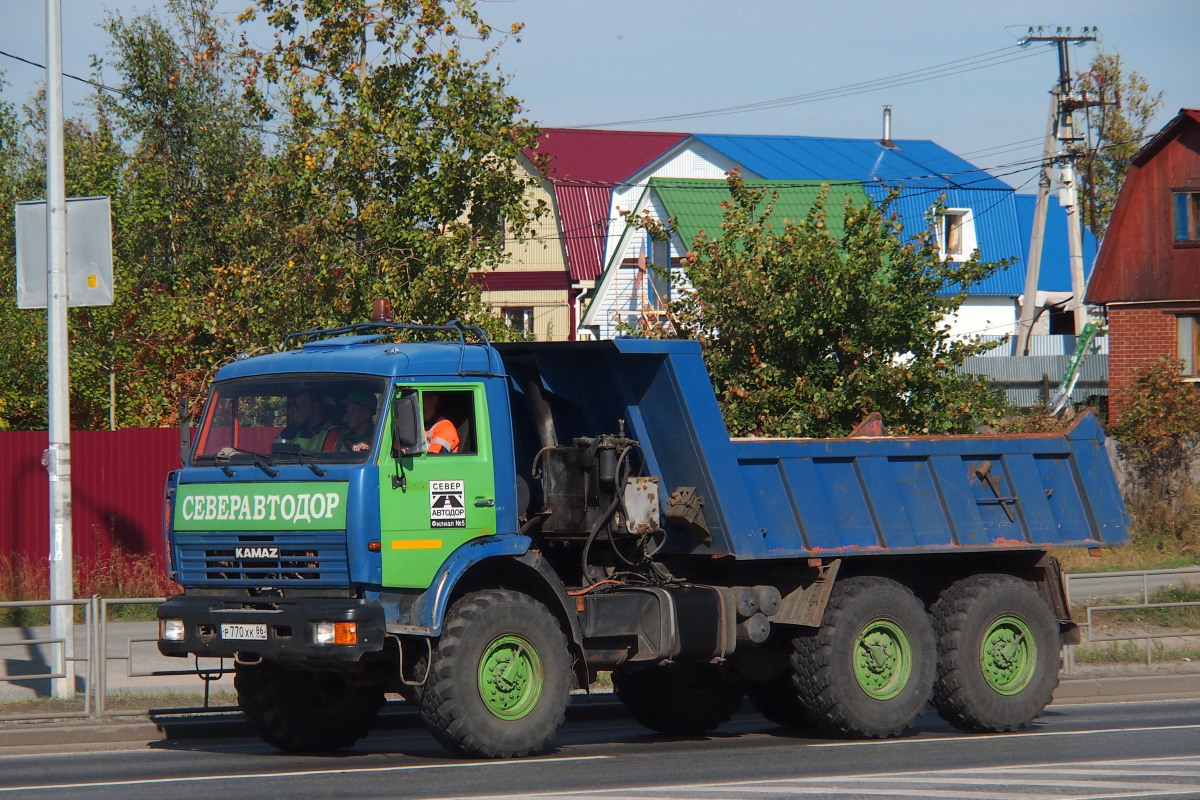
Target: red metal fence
x=117 y=482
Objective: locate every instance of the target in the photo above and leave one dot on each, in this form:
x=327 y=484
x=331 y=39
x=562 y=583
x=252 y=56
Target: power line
x=87 y=81
x=956 y=67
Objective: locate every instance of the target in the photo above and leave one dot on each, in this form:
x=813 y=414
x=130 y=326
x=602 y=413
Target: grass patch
x=1133 y=557
x=1126 y=652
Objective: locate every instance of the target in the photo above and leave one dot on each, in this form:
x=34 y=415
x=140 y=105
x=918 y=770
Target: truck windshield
x=290 y=419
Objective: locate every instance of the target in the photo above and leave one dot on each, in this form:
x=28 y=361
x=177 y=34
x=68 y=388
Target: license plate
x=236 y=631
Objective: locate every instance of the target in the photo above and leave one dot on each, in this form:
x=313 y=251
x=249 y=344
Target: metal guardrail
x=1148 y=638
x=1083 y=578
x=206 y=674
x=1161 y=578
x=97 y=679
x=88 y=659
x=96 y=659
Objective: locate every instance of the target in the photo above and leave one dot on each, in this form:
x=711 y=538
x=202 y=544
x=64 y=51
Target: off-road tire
x=868 y=670
x=500 y=677
x=998 y=653
x=680 y=699
x=777 y=701
x=306 y=711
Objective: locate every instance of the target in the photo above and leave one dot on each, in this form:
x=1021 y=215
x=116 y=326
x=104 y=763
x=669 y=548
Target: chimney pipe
x=886 y=141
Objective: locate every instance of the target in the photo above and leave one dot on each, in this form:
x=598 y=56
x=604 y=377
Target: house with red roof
x=1147 y=274
x=576 y=173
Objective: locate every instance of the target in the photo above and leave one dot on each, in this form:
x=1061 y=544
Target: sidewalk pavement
x=134 y=667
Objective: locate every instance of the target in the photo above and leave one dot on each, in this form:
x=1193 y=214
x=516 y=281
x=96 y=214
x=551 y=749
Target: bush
x=1157 y=438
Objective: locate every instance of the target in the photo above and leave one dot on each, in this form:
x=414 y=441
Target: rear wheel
x=867 y=671
x=499 y=678
x=306 y=712
x=777 y=701
x=681 y=699
x=998 y=653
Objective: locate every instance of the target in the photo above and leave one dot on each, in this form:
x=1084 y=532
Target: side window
x=449 y=421
x=1189 y=345
x=1187 y=216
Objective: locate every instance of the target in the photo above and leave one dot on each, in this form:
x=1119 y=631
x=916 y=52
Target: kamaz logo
x=256 y=552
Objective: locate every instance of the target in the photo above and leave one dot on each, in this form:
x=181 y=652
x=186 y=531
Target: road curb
x=1136 y=687
x=165 y=725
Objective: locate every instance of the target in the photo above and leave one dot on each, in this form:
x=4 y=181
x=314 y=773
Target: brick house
x=1147 y=275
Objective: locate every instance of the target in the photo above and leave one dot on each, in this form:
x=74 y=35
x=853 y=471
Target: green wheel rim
x=1008 y=655
x=510 y=677
x=883 y=659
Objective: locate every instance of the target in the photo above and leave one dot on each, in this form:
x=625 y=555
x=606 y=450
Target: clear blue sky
x=587 y=62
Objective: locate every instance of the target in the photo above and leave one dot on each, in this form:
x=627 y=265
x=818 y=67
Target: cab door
x=431 y=503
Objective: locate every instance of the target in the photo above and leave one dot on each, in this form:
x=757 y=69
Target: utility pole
x=58 y=457
x=1061 y=149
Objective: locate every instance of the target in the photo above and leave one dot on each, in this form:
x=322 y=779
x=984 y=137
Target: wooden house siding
x=535 y=274
x=1144 y=278
x=1140 y=260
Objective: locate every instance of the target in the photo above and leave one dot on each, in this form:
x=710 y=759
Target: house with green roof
x=633 y=289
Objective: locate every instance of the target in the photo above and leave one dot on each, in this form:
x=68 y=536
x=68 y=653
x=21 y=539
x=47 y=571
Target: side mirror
x=406 y=427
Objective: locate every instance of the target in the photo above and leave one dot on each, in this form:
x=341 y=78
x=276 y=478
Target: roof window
x=956 y=234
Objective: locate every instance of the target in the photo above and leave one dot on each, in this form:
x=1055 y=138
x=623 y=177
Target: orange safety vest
x=443 y=437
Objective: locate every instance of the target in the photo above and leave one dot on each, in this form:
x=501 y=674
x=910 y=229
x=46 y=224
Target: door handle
x=484 y=502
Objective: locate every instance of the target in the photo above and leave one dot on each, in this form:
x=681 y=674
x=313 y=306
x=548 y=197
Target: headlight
x=336 y=633
x=171 y=630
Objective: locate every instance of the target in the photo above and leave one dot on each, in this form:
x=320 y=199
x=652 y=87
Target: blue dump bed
x=774 y=498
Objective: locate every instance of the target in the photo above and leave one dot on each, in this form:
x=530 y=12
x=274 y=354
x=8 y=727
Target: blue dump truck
x=482 y=528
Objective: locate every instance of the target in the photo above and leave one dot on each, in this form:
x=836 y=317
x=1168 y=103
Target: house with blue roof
x=979 y=211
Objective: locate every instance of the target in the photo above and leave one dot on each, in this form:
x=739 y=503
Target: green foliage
x=388 y=170
x=805 y=334
x=1157 y=436
x=397 y=170
x=1117 y=128
x=1157 y=428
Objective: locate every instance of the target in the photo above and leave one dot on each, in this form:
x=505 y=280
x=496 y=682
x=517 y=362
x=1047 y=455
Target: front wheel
x=868 y=670
x=998 y=654
x=500 y=677
x=306 y=711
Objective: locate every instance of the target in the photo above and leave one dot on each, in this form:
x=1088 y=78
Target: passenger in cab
x=307 y=425
x=440 y=432
x=360 y=421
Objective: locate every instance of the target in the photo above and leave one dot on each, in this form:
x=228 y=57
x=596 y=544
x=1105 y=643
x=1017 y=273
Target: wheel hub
x=510 y=677
x=1008 y=655
x=882 y=659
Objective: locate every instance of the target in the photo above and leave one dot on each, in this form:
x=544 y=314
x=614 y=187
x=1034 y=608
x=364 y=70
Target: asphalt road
x=1125 y=750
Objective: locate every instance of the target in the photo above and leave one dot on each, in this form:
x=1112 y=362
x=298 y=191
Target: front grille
x=313 y=559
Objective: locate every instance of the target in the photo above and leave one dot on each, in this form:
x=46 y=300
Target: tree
x=13 y=180
x=93 y=162
x=804 y=334
x=396 y=174
x=1117 y=126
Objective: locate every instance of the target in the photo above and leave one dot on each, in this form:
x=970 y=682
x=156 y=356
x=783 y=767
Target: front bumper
x=289 y=626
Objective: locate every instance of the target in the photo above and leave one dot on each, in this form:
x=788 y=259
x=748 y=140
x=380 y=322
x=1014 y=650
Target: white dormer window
x=956 y=234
